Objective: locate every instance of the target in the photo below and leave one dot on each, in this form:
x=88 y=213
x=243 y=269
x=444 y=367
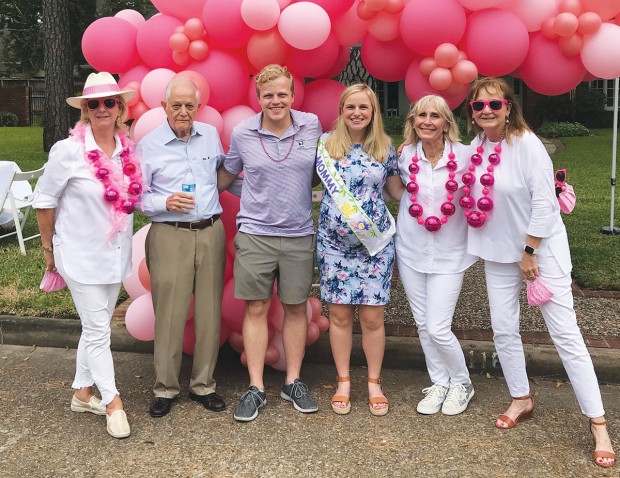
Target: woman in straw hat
x=84 y=202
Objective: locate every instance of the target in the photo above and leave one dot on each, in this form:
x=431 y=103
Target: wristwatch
x=530 y=250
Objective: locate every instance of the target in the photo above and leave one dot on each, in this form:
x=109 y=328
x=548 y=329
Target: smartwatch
x=530 y=250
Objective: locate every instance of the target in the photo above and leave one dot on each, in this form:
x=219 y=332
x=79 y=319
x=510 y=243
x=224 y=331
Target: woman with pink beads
x=431 y=247
x=515 y=226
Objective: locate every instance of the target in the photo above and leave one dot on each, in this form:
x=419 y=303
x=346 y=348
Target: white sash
x=362 y=226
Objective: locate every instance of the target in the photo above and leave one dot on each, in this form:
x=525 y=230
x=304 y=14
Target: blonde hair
x=270 y=73
x=119 y=124
x=376 y=142
x=516 y=125
x=451 y=134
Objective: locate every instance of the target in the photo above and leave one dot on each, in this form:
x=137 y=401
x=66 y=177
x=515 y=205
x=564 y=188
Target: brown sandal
x=378 y=412
x=342 y=398
x=521 y=417
x=600 y=453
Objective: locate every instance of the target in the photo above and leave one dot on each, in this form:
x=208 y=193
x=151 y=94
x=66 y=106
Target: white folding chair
x=13 y=205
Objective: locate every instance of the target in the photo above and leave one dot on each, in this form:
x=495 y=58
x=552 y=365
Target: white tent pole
x=611 y=229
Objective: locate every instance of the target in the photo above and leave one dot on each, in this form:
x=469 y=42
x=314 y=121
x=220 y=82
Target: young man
x=276 y=150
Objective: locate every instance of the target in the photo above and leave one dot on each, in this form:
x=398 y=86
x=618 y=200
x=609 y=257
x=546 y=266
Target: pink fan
x=538 y=292
x=52 y=281
x=567 y=199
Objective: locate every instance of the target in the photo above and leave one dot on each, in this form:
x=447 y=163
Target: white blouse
x=524 y=204
x=443 y=251
x=82 y=217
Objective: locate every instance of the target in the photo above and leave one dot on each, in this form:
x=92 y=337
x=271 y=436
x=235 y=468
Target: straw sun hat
x=100 y=85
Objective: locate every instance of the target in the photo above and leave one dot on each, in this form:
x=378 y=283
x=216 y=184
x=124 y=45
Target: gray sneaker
x=250 y=402
x=457 y=399
x=297 y=392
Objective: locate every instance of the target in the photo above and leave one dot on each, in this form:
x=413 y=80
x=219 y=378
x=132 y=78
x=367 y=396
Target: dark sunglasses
x=109 y=103
x=495 y=105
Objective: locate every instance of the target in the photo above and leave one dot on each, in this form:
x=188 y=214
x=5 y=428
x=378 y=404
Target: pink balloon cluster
x=570 y=26
x=188 y=42
x=449 y=68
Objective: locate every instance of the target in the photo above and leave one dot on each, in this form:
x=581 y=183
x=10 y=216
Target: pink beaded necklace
x=432 y=223
x=485 y=203
x=260 y=137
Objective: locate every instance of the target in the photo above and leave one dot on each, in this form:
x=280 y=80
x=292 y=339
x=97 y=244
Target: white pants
x=504 y=282
x=432 y=298
x=95 y=304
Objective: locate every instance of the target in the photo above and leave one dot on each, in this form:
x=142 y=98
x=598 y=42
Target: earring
x=473 y=122
x=507 y=119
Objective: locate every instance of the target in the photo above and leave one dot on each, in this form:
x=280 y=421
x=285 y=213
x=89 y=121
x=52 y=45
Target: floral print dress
x=348 y=274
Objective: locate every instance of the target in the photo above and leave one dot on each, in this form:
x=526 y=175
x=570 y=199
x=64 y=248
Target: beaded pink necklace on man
x=432 y=223
x=485 y=203
x=260 y=137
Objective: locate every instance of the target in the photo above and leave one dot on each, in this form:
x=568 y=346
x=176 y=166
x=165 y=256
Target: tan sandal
x=343 y=399
x=378 y=412
x=521 y=417
x=600 y=453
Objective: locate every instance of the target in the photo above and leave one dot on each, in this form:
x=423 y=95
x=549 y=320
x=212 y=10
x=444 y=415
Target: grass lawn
x=596 y=257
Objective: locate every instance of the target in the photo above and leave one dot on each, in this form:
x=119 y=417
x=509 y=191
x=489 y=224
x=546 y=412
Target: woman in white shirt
x=84 y=202
x=431 y=247
x=517 y=229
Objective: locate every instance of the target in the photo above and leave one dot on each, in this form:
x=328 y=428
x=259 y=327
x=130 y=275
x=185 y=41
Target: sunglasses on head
x=109 y=103
x=495 y=105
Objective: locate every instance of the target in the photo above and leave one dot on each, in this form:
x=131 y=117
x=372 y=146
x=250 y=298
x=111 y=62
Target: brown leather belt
x=195 y=225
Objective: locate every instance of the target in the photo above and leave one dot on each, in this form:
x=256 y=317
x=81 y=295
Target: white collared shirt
x=443 y=251
x=82 y=217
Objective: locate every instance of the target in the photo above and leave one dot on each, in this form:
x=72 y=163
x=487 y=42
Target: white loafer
x=118 y=426
x=92 y=406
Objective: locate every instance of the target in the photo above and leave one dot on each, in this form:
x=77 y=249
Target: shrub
x=394 y=124
x=555 y=130
x=8 y=119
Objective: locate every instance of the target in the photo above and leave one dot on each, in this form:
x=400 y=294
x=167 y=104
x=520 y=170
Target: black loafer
x=211 y=401
x=160 y=406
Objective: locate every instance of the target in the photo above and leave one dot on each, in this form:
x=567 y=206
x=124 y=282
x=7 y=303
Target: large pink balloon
x=605 y=8
x=232 y=117
x=224 y=24
x=265 y=48
x=153 y=41
x=115 y=53
x=188 y=9
x=260 y=14
x=322 y=98
x=153 y=87
x=314 y=63
x=131 y=16
x=137 y=73
x=148 y=122
x=532 y=12
x=344 y=54
x=424 y=25
x=600 y=53
x=384 y=27
x=506 y=52
x=386 y=61
x=140 y=318
x=350 y=28
x=547 y=70
x=417 y=86
x=211 y=116
x=334 y=8
x=304 y=25
x=200 y=82
x=132 y=284
x=227 y=76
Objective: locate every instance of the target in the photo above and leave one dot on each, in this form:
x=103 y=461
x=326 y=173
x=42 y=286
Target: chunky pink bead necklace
x=485 y=203
x=432 y=223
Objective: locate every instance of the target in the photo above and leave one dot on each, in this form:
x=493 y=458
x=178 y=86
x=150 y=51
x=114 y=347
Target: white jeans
x=504 y=282
x=95 y=304
x=432 y=298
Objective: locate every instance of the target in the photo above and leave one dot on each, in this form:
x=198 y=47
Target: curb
x=400 y=352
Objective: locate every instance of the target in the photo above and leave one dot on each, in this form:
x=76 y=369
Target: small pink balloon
x=394 y=6
x=260 y=15
x=178 y=42
x=304 y=25
x=150 y=120
x=571 y=45
x=271 y=355
x=194 y=29
x=417 y=86
x=565 y=24
x=427 y=65
x=376 y=5
x=571 y=6
x=547 y=29
x=265 y=48
x=322 y=98
x=153 y=86
x=131 y=16
x=364 y=12
x=316 y=306
x=349 y=28
x=446 y=55
x=140 y=318
x=440 y=78
x=323 y=323
x=464 y=71
x=313 y=333
x=181 y=58
x=589 y=23
x=236 y=341
x=198 y=50
x=384 y=27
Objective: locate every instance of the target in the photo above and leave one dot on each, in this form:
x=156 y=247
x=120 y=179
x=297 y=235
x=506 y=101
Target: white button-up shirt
x=443 y=251
x=82 y=217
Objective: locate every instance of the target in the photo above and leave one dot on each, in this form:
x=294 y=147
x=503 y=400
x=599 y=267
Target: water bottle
x=189 y=183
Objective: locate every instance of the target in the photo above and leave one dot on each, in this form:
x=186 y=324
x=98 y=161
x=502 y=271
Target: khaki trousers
x=182 y=262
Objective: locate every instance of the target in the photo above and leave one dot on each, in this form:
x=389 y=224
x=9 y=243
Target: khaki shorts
x=261 y=260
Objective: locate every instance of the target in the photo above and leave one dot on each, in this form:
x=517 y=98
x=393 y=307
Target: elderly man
x=276 y=149
x=185 y=247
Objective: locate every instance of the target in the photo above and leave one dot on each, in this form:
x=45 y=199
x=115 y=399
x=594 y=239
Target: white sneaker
x=93 y=406
x=118 y=426
x=435 y=397
x=457 y=399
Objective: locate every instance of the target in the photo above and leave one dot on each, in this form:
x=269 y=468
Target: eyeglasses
x=109 y=103
x=560 y=180
x=495 y=105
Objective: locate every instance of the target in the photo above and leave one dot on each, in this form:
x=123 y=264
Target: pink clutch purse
x=567 y=199
x=538 y=292
x=52 y=281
